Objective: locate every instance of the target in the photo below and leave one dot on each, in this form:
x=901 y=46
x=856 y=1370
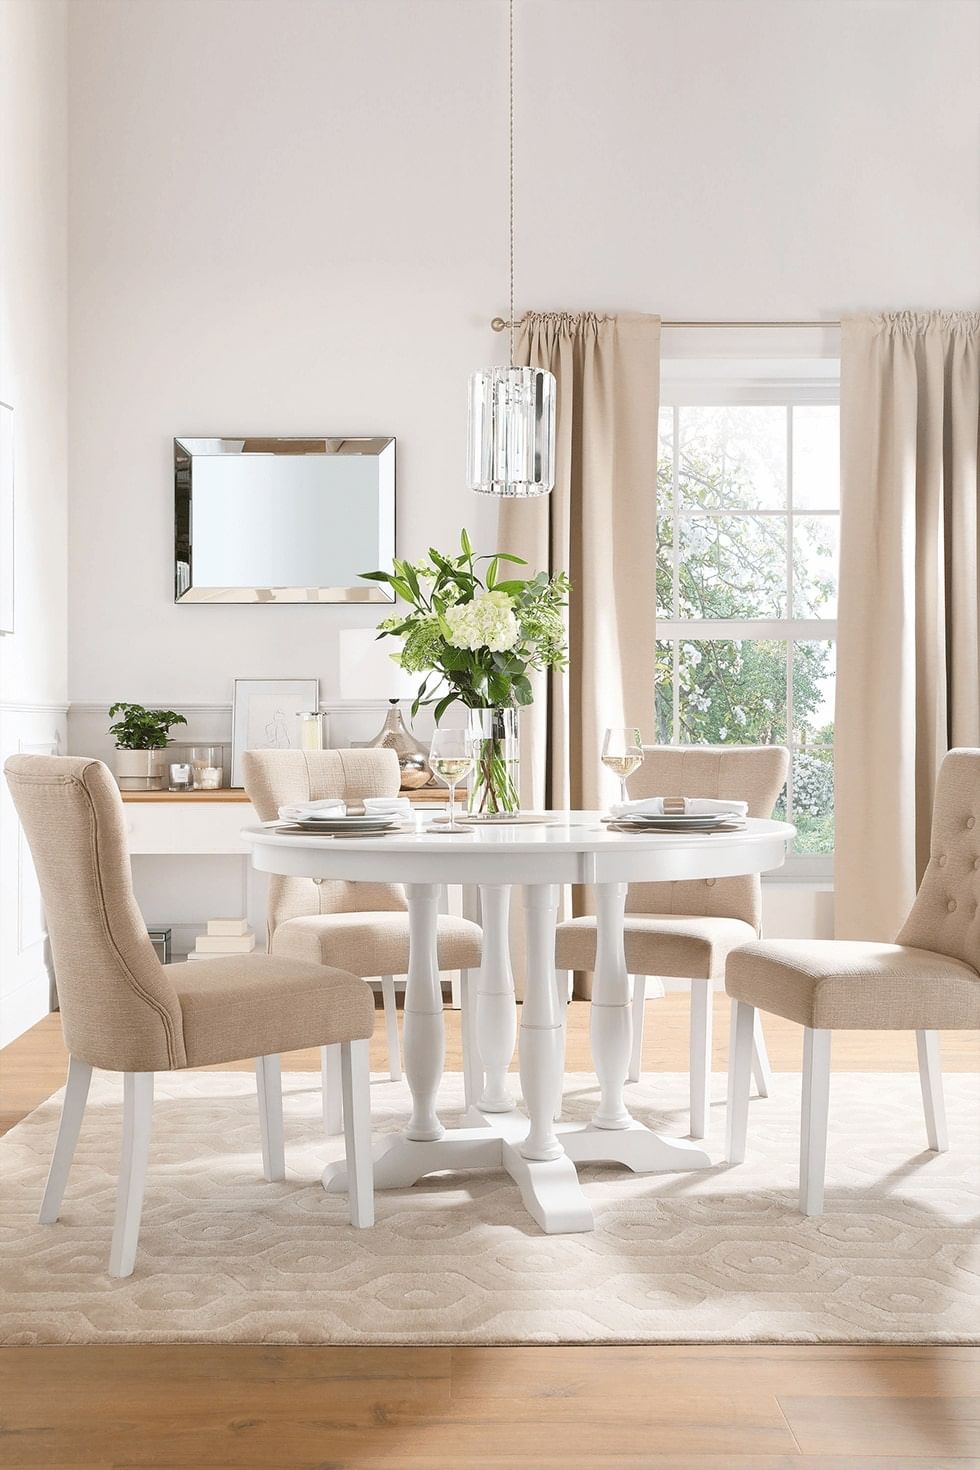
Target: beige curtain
x=908 y=682
x=598 y=525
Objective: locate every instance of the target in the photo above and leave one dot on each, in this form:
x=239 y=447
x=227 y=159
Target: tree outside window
x=748 y=514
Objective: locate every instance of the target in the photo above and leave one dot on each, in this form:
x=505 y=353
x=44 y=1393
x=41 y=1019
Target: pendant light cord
x=510 y=139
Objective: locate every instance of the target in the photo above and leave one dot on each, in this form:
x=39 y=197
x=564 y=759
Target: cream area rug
x=716 y=1256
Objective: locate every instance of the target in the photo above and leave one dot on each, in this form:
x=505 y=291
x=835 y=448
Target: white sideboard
x=202 y=823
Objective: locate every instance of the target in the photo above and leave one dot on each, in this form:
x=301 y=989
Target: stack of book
x=224 y=937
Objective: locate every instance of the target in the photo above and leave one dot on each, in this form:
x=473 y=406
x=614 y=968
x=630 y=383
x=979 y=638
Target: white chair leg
x=268 y=1087
x=563 y=980
x=137 y=1123
x=700 y=1055
x=333 y=1109
x=636 y=1053
x=391 y=1027
x=72 y=1111
x=761 y=1069
x=472 y=1070
x=355 y=1067
x=739 y=1080
x=456 y=990
x=931 y=1081
x=813 y=1132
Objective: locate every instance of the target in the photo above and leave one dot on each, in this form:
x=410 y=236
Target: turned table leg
x=611 y=1019
x=496 y=1008
x=424 y=1044
x=542 y=1036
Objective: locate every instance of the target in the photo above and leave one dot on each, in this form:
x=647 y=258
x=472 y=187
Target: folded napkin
x=307 y=811
x=687 y=806
x=387 y=806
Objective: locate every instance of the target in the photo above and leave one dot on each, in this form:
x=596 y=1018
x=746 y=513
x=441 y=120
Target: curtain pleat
x=908 y=679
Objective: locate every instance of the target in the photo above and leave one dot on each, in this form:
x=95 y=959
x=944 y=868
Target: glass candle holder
x=310 y=730
x=207 y=767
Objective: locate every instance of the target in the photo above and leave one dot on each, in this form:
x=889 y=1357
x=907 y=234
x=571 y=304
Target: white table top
x=567 y=847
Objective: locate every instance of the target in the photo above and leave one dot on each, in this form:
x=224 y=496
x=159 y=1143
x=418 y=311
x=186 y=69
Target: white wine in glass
x=622 y=753
x=451 y=758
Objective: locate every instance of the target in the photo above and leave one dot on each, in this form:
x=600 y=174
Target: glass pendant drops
x=511 y=439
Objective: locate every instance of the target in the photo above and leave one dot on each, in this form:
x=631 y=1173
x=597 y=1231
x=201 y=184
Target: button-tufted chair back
x=275 y=778
x=118 y=1009
x=750 y=773
x=945 y=916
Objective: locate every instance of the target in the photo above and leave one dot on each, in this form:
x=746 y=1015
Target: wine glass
x=622 y=753
x=451 y=758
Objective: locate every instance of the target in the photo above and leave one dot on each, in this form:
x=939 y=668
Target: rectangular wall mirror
x=283 y=520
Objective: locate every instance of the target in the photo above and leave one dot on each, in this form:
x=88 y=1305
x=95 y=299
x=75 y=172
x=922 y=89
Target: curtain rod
x=500 y=324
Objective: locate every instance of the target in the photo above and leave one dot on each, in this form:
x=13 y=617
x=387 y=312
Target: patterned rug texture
x=721 y=1255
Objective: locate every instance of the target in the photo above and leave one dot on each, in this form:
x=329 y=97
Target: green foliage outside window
x=732 y=565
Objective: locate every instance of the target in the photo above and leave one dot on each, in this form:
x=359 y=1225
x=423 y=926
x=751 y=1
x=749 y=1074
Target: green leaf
x=373 y=577
x=443 y=705
x=411 y=577
x=498 y=686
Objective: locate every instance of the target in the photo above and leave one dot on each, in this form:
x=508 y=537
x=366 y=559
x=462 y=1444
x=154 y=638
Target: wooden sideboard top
x=234 y=793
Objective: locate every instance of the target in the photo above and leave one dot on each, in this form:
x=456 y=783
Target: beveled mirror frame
x=184 y=451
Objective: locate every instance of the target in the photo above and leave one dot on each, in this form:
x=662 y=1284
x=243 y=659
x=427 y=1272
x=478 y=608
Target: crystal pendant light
x=511 y=439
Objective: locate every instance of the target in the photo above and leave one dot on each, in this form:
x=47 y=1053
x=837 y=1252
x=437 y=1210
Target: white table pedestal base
x=549 y=1188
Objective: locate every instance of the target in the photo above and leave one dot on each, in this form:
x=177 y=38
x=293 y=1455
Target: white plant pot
x=139 y=770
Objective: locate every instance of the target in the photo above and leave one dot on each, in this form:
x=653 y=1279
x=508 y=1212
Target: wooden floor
x=609 y=1408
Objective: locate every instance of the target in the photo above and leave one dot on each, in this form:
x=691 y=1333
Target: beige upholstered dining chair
x=925 y=982
x=362 y=927
x=121 y=1010
x=686 y=930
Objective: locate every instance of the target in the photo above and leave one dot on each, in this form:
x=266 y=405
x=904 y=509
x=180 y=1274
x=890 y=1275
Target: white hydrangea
x=486 y=622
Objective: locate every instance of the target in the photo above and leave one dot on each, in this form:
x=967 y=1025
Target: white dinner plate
x=337 y=825
x=676 y=819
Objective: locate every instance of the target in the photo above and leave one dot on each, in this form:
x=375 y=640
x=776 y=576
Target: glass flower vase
x=495 y=788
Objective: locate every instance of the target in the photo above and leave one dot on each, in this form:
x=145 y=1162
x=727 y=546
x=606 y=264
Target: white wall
x=291 y=218
x=33 y=378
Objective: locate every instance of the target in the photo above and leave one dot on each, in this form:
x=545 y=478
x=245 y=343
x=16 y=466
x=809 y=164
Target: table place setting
x=677 y=814
x=376 y=817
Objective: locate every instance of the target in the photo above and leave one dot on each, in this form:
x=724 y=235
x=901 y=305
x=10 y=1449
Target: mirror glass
x=283 y=520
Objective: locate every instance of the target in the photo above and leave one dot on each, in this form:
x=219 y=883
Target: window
x=748 y=531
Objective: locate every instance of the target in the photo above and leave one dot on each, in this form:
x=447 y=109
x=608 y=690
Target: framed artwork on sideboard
x=265 y=716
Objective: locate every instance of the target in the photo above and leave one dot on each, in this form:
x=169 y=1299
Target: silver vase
x=413 y=757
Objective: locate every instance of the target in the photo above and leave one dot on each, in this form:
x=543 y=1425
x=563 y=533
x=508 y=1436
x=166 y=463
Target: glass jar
x=208 y=766
x=495 y=788
x=310 y=729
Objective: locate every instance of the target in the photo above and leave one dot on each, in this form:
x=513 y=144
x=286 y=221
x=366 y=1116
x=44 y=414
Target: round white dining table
x=538 y=1152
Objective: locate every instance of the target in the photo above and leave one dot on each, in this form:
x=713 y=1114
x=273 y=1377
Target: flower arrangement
x=475 y=636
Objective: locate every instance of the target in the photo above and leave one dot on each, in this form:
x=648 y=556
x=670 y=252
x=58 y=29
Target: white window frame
x=779 y=383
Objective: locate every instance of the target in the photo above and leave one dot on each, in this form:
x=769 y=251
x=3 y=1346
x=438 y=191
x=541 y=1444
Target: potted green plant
x=141 y=738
